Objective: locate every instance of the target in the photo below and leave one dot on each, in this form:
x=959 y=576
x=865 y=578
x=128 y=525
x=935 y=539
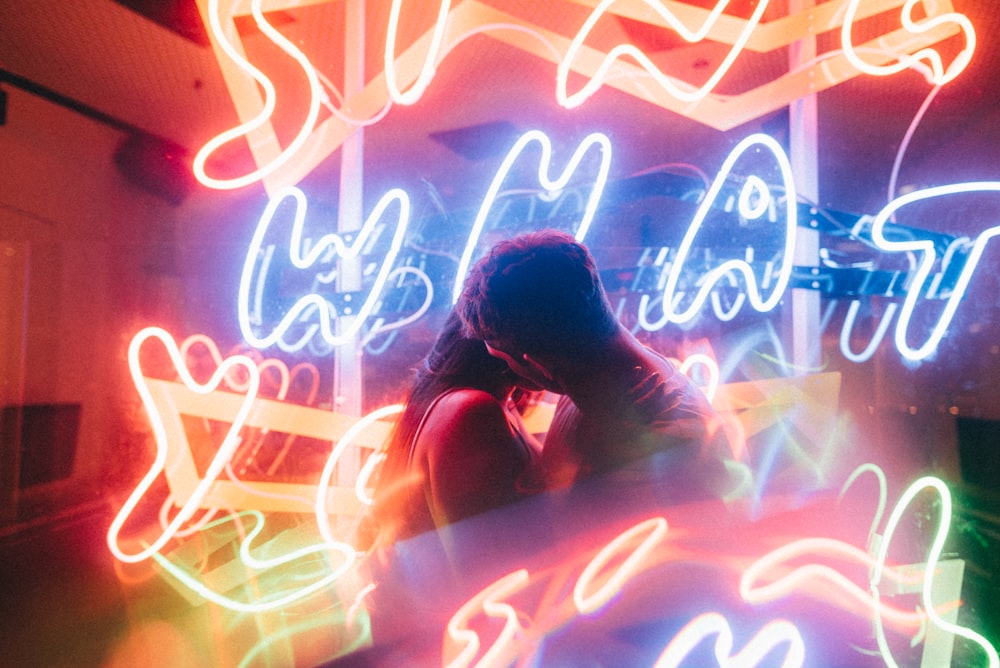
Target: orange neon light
x=406 y=75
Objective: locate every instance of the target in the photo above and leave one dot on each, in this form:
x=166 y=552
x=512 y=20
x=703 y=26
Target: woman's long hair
x=453 y=362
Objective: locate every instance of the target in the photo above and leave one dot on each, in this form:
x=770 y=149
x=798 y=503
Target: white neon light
x=595 y=138
x=924 y=248
x=429 y=67
x=754 y=191
x=845 y=333
x=244 y=129
x=710 y=366
x=328 y=247
x=320 y=509
x=933 y=556
x=681 y=91
x=459 y=636
x=774 y=633
x=939 y=75
x=219 y=461
x=588 y=602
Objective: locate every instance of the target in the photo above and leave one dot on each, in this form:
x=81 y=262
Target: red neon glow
x=588 y=602
x=428 y=68
x=219 y=461
x=246 y=129
x=677 y=89
x=939 y=74
x=461 y=644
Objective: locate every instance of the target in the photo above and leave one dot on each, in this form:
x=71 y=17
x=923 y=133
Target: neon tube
x=754 y=189
x=604 y=146
x=245 y=129
x=774 y=633
x=428 y=68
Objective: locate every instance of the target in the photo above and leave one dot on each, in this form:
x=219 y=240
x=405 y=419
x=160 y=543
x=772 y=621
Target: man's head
x=538 y=295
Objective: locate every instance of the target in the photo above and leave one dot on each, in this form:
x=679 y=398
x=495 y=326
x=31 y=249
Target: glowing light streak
x=380 y=327
x=428 y=68
x=597 y=189
x=934 y=555
x=684 y=92
x=939 y=75
x=927 y=257
x=274 y=600
x=322 y=518
x=465 y=642
x=588 y=602
x=754 y=190
x=364 y=476
x=226 y=448
x=329 y=246
x=773 y=634
x=848 y=326
x=248 y=127
x=710 y=366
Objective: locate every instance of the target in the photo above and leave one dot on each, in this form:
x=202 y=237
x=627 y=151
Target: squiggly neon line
x=939 y=75
x=587 y=602
x=925 y=247
x=459 y=637
x=763 y=196
x=934 y=555
x=773 y=634
x=845 y=333
x=686 y=92
x=272 y=602
x=225 y=452
x=428 y=68
x=322 y=518
x=313 y=303
x=315 y=95
x=597 y=189
x=710 y=365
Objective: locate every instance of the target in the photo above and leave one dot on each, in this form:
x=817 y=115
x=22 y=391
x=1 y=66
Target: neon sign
x=316 y=260
x=551 y=186
x=755 y=199
x=684 y=92
x=635 y=551
x=253 y=93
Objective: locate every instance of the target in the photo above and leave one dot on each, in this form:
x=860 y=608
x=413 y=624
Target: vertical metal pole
x=348 y=386
x=804 y=155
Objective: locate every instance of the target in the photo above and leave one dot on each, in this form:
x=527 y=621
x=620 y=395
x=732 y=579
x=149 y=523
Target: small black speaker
x=156 y=165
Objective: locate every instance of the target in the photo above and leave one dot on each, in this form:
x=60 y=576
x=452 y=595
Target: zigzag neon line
x=225 y=452
x=244 y=129
x=915 y=286
x=934 y=555
x=938 y=75
x=458 y=634
x=427 y=70
x=314 y=303
x=707 y=281
x=845 y=333
x=687 y=92
x=587 y=602
x=272 y=602
x=595 y=138
x=774 y=633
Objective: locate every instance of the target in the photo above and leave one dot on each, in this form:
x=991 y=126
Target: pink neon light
x=225 y=452
x=319 y=254
x=710 y=366
x=774 y=633
x=544 y=164
x=754 y=191
x=938 y=74
x=428 y=68
x=587 y=602
x=247 y=128
x=924 y=248
x=679 y=90
x=460 y=639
